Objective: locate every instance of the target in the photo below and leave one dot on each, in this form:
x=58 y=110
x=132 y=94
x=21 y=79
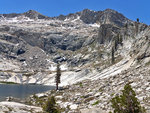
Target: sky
x=132 y=9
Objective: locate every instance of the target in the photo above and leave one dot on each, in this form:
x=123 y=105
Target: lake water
x=21 y=91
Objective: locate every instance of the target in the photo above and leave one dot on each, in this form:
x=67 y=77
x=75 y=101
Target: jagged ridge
x=32 y=14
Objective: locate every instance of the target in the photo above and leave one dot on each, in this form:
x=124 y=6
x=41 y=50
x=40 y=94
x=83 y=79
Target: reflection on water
x=21 y=91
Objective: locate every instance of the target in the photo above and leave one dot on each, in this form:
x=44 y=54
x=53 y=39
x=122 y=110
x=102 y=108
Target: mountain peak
x=34 y=15
x=32 y=12
x=109 y=10
x=107 y=16
x=87 y=10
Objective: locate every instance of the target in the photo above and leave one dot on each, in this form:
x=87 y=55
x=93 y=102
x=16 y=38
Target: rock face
x=34 y=15
x=103 y=17
x=106 y=33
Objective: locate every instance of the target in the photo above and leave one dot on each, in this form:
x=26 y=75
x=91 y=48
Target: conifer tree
x=115 y=45
x=120 y=40
x=112 y=55
x=58 y=74
x=127 y=102
x=126 y=29
x=137 y=26
x=137 y=20
x=116 y=40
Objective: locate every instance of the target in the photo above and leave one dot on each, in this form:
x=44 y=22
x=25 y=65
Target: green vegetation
x=4 y=82
x=137 y=19
x=50 y=106
x=101 y=90
x=137 y=26
x=95 y=103
x=39 y=101
x=28 y=74
x=81 y=85
x=127 y=102
x=112 y=94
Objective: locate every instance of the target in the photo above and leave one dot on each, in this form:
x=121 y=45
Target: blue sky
x=132 y=9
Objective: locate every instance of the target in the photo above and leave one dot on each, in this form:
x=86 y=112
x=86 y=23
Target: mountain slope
x=80 y=41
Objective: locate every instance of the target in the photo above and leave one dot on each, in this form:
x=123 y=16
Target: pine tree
x=137 y=26
x=115 y=45
x=116 y=42
x=126 y=29
x=50 y=106
x=127 y=102
x=120 y=40
x=137 y=20
x=58 y=74
x=112 y=55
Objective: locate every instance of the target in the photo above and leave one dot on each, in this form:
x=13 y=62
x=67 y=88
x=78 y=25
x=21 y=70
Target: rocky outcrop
x=35 y=15
x=89 y=16
x=107 y=16
x=106 y=33
x=14 y=107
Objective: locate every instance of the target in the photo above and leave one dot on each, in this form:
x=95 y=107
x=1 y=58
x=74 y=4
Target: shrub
x=95 y=103
x=81 y=85
x=127 y=102
x=50 y=106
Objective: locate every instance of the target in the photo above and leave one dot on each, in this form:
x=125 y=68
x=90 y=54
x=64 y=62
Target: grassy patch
x=80 y=84
x=3 y=82
x=112 y=94
x=28 y=74
x=95 y=103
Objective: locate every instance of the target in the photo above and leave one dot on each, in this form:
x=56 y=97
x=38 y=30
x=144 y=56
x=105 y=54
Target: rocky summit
x=31 y=45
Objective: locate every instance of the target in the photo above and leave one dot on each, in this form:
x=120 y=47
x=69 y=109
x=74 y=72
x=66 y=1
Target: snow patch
x=73 y=106
x=95 y=25
x=62 y=67
x=19 y=19
x=78 y=18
